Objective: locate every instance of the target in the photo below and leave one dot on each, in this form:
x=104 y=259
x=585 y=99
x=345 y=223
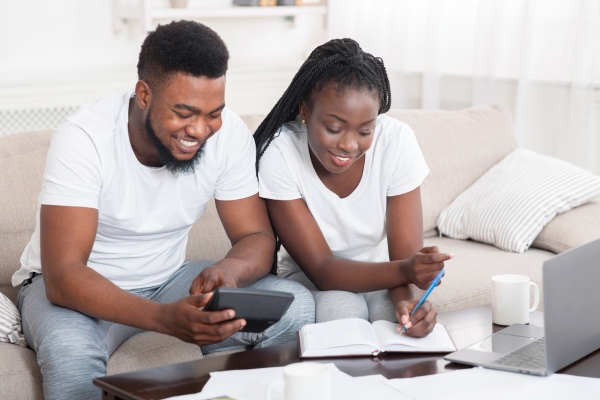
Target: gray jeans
x=73 y=348
x=338 y=304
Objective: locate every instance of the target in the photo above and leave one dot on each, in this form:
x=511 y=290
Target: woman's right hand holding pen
x=423 y=266
x=421 y=323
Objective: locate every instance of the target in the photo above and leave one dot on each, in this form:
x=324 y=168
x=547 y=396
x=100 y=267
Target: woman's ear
x=303 y=111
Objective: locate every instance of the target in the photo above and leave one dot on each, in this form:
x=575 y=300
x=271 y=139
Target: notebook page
x=340 y=333
x=390 y=340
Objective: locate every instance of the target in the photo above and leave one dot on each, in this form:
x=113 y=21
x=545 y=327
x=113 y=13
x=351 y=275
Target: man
x=126 y=178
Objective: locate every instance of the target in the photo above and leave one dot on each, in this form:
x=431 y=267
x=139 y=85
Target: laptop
x=571 y=283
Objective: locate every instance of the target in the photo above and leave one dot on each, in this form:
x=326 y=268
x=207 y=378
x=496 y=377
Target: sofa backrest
x=459 y=146
x=22 y=161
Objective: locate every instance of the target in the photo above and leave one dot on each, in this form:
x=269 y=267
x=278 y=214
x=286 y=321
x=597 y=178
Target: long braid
x=341 y=61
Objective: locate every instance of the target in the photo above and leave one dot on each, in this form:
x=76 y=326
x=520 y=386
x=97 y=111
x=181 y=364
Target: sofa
x=459 y=146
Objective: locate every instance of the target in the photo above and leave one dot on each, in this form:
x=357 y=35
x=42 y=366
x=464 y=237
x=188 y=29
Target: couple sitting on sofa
x=127 y=176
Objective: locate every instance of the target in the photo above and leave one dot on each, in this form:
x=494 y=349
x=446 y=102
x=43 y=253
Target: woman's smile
x=341 y=161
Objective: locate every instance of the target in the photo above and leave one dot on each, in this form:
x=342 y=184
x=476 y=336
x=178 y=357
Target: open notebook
x=357 y=337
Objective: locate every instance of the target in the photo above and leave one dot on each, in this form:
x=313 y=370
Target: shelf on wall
x=236 y=12
x=146 y=16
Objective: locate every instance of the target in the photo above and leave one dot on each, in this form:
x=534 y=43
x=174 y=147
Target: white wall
x=540 y=59
x=64 y=53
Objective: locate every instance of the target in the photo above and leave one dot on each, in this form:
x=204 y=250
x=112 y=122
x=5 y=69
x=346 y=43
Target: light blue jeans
x=73 y=348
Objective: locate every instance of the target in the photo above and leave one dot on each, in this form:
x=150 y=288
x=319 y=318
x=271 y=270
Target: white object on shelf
x=145 y=15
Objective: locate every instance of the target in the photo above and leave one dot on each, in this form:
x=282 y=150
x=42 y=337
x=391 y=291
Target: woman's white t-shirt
x=354 y=227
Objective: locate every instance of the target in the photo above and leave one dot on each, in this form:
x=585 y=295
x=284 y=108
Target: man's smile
x=188 y=143
x=188 y=146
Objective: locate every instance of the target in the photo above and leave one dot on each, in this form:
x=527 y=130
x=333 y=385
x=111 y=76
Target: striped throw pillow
x=10 y=323
x=511 y=203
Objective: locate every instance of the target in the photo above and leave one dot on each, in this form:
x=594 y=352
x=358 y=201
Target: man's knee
x=70 y=357
x=61 y=336
x=71 y=344
x=302 y=310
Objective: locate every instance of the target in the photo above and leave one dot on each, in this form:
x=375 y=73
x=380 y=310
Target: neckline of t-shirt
x=313 y=173
x=123 y=122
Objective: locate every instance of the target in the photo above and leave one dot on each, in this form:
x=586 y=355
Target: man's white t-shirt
x=354 y=226
x=144 y=213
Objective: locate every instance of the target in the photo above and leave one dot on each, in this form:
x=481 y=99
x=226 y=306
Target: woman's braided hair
x=339 y=61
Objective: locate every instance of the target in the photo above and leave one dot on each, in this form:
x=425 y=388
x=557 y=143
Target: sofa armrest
x=571 y=229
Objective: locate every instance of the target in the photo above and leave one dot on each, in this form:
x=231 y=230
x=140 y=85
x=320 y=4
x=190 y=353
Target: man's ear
x=143 y=94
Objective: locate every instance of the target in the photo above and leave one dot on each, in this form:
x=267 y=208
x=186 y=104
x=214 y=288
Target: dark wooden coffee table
x=465 y=326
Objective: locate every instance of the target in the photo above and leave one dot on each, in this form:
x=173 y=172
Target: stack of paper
x=466 y=384
x=252 y=384
x=489 y=384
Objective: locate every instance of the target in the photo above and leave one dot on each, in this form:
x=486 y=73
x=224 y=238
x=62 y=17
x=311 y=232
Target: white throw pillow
x=10 y=323
x=511 y=203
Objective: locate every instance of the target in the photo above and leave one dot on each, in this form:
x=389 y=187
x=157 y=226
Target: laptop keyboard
x=532 y=356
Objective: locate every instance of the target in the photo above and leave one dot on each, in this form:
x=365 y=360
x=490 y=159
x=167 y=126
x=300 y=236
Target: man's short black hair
x=183 y=46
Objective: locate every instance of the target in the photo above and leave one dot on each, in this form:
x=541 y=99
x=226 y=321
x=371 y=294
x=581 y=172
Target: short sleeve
x=237 y=178
x=73 y=174
x=275 y=180
x=411 y=168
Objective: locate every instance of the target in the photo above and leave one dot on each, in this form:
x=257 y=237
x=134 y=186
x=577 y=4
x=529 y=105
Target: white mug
x=306 y=380
x=510 y=299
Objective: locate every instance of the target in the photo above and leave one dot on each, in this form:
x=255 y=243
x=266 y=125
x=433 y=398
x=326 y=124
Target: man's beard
x=165 y=153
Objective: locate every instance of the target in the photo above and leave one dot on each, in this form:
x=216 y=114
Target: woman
x=341 y=182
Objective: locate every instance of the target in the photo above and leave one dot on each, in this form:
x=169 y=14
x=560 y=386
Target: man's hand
x=423 y=266
x=211 y=278
x=421 y=323
x=185 y=320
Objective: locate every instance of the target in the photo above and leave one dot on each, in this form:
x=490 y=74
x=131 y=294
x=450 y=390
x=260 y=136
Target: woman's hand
x=421 y=323
x=423 y=266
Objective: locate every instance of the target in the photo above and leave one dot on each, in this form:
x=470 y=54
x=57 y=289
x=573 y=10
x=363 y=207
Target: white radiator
x=32 y=119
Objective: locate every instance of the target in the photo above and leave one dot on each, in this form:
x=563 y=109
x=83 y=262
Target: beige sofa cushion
x=459 y=146
x=22 y=162
x=207 y=239
x=20 y=376
x=252 y=121
x=149 y=350
x=468 y=275
x=578 y=226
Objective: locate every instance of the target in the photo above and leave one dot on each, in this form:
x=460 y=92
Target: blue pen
x=429 y=289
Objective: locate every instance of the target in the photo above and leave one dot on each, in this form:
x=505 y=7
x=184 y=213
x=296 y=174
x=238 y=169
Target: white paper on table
x=375 y=387
x=252 y=384
x=482 y=383
x=223 y=383
x=564 y=386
